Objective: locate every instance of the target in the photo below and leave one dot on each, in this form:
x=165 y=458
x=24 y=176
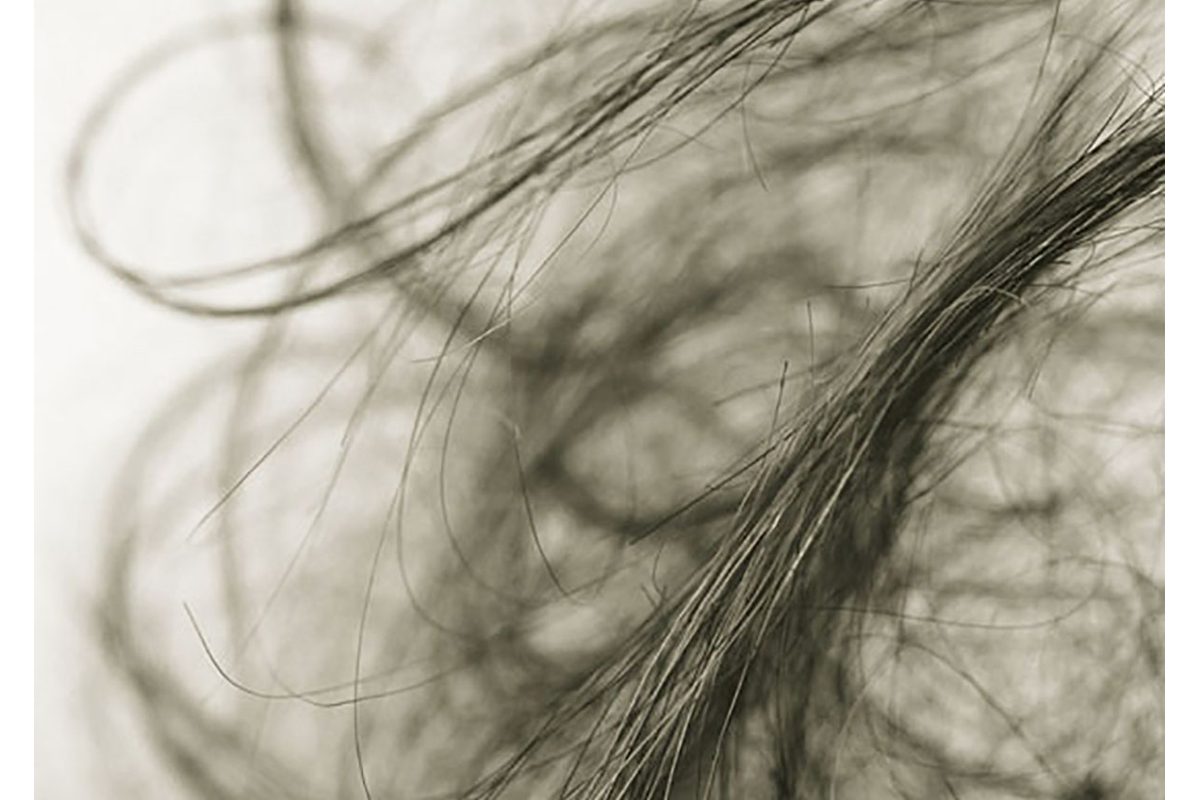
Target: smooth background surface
x=104 y=358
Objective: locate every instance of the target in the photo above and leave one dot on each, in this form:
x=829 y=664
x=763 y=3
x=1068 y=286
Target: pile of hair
x=730 y=398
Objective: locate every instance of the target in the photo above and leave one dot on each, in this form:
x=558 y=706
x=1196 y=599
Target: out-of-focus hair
x=731 y=398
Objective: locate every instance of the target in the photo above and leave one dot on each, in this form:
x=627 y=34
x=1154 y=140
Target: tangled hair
x=721 y=398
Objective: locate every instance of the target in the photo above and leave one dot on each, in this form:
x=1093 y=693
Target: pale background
x=104 y=358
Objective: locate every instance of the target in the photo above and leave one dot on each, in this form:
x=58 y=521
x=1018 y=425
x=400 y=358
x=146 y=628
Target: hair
x=728 y=398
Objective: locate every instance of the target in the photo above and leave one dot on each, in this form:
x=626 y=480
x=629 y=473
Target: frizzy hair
x=731 y=398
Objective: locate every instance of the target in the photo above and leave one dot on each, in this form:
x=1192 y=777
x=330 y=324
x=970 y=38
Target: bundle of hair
x=728 y=398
